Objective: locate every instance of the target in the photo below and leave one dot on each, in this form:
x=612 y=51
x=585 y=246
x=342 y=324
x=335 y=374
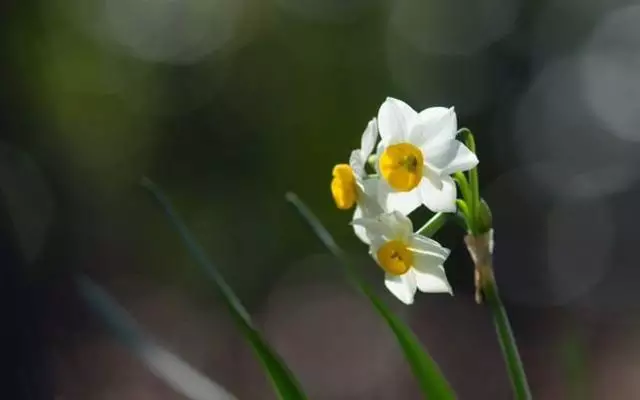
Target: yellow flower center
x=401 y=166
x=395 y=258
x=343 y=187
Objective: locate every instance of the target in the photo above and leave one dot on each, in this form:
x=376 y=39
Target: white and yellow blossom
x=411 y=261
x=351 y=185
x=416 y=156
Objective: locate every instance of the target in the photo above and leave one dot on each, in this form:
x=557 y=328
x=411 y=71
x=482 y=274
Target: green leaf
x=426 y=371
x=176 y=373
x=283 y=381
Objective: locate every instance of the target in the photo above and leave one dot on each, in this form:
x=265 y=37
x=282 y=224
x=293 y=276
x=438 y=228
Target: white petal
x=379 y=150
x=424 y=245
x=447 y=158
x=430 y=275
x=404 y=202
x=442 y=199
x=359 y=230
x=402 y=286
x=370 y=186
x=369 y=196
x=369 y=138
x=376 y=243
x=367 y=211
x=400 y=226
x=395 y=118
x=432 y=176
x=376 y=230
x=357 y=163
x=384 y=227
x=434 y=126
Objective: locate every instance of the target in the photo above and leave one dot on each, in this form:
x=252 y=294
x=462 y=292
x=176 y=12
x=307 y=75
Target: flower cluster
x=415 y=157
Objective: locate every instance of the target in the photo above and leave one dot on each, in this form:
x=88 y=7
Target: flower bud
x=485 y=220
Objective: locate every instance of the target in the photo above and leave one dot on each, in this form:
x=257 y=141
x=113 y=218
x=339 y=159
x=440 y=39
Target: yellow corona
x=401 y=166
x=394 y=257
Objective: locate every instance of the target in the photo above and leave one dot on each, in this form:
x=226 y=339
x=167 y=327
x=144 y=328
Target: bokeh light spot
x=337 y=11
x=171 y=31
x=610 y=67
x=453 y=27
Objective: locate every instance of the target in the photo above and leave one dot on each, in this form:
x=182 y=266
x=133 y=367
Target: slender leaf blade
x=176 y=373
x=432 y=383
x=283 y=381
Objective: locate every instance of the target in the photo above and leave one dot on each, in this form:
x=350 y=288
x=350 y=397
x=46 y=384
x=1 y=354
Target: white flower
x=350 y=185
x=410 y=261
x=416 y=156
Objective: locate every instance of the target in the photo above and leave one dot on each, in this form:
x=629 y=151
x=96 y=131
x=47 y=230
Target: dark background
x=228 y=104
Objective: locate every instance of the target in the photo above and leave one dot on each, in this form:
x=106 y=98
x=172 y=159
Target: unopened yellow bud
x=343 y=187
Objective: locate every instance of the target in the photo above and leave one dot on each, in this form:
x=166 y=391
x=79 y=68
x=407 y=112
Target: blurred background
x=228 y=104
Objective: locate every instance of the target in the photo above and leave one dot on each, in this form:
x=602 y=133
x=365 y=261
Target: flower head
x=411 y=262
x=416 y=156
x=351 y=186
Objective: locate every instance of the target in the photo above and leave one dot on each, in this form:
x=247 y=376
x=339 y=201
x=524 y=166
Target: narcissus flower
x=411 y=262
x=416 y=156
x=351 y=186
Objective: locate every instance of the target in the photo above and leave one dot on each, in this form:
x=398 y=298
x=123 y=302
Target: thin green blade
x=283 y=381
x=176 y=373
x=426 y=371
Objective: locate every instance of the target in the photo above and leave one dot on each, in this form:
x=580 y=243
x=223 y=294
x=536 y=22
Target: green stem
x=464 y=209
x=433 y=225
x=463 y=184
x=484 y=271
x=475 y=196
x=507 y=341
x=467 y=195
x=474 y=201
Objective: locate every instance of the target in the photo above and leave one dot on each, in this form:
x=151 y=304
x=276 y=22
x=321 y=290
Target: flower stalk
x=507 y=341
x=486 y=289
x=479 y=242
x=423 y=159
x=433 y=225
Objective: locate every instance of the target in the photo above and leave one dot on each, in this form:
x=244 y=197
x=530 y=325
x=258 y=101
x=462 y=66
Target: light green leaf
x=283 y=381
x=176 y=373
x=426 y=371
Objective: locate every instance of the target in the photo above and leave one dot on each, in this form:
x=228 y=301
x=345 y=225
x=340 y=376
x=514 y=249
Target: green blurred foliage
x=226 y=135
